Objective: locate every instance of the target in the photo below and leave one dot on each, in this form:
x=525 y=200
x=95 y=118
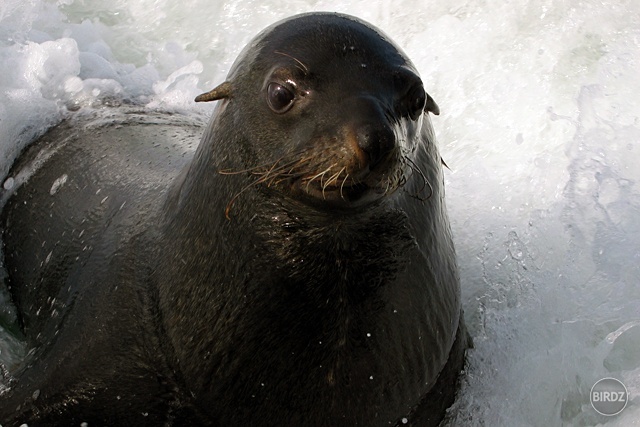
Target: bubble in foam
x=73 y=85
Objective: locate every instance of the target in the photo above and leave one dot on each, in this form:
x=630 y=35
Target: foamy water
x=540 y=125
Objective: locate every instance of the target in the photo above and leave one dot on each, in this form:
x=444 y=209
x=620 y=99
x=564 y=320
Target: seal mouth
x=345 y=189
x=342 y=193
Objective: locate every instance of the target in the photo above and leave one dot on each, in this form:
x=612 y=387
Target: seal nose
x=377 y=140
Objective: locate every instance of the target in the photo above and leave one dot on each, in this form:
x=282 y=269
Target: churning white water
x=540 y=126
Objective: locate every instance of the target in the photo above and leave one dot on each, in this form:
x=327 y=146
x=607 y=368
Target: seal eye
x=417 y=99
x=279 y=98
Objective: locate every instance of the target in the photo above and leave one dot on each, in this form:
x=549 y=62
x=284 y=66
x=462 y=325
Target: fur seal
x=297 y=269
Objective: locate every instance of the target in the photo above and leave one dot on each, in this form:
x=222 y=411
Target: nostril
x=377 y=141
x=366 y=141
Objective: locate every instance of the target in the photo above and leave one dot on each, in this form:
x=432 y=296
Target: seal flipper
x=221 y=91
x=429 y=106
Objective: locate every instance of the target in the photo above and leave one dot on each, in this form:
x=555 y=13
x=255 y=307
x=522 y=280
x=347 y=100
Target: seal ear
x=222 y=91
x=430 y=105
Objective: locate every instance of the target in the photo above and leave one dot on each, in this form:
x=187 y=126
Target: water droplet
x=8 y=184
x=58 y=183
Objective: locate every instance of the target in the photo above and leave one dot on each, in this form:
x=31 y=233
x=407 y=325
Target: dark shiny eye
x=416 y=100
x=279 y=98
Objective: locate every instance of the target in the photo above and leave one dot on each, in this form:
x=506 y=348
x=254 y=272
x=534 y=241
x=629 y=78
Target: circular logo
x=609 y=396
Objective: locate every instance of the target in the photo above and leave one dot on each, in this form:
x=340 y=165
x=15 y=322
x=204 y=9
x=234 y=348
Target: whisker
x=342 y=186
x=332 y=178
x=275 y=173
x=321 y=174
x=252 y=169
x=300 y=163
x=227 y=210
x=425 y=181
x=270 y=164
x=335 y=176
x=302 y=67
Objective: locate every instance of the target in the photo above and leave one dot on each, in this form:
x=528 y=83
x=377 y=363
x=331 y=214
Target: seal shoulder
x=98 y=174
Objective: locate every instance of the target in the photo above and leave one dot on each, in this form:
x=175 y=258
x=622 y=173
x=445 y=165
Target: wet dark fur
x=271 y=278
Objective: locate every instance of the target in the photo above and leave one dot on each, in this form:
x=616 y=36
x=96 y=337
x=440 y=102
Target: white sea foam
x=540 y=125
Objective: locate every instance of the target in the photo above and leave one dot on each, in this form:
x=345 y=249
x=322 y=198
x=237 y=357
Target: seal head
x=335 y=106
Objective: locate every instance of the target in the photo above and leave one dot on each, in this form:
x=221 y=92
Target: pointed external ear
x=222 y=91
x=431 y=106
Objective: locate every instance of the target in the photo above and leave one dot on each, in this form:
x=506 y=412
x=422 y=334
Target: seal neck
x=273 y=265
